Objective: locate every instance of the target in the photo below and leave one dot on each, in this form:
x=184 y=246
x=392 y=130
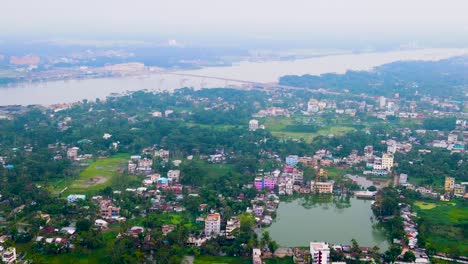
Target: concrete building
x=368 y=151
x=403 y=179
x=231 y=225
x=382 y=102
x=322 y=187
x=256 y=256
x=313 y=106
x=292 y=160
x=320 y=252
x=459 y=190
x=9 y=255
x=75 y=197
x=72 y=153
x=452 y=138
x=262 y=183
x=173 y=175
x=391 y=146
x=253 y=124
x=449 y=184
x=387 y=161
x=163 y=154
x=213 y=224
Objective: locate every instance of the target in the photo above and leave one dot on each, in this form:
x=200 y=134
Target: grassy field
x=424 y=205
x=279 y=127
x=221 y=260
x=445 y=225
x=99 y=174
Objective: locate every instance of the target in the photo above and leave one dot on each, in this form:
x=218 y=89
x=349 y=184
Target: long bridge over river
x=254 y=85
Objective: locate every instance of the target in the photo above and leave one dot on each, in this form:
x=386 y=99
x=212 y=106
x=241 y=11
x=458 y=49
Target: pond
x=333 y=219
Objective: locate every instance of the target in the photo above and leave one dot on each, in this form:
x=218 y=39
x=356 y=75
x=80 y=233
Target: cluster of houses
x=451 y=189
x=263 y=206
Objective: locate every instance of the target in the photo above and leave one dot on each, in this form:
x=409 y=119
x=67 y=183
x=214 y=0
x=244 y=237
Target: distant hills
x=448 y=77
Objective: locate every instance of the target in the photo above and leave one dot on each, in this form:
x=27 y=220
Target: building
x=403 y=179
x=292 y=160
x=452 y=138
x=101 y=223
x=9 y=255
x=75 y=197
x=262 y=183
x=313 y=106
x=256 y=256
x=459 y=190
x=231 y=225
x=213 y=224
x=108 y=210
x=391 y=146
x=382 y=102
x=173 y=175
x=322 y=187
x=163 y=154
x=449 y=184
x=253 y=124
x=72 y=153
x=368 y=151
x=387 y=161
x=320 y=253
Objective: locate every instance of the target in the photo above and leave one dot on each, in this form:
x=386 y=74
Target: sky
x=264 y=20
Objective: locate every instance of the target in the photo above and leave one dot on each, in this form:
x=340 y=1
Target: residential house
x=320 y=252
x=173 y=175
x=213 y=224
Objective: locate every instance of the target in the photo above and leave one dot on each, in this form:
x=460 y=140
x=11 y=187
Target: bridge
x=255 y=85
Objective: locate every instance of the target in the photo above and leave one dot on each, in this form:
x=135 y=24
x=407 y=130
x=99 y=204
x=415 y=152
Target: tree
x=409 y=256
x=392 y=253
x=83 y=225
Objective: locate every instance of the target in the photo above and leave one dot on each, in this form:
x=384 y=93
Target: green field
x=99 y=174
x=424 y=205
x=221 y=260
x=445 y=225
x=281 y=127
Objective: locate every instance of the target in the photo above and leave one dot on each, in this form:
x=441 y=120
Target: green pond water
x=332 y=219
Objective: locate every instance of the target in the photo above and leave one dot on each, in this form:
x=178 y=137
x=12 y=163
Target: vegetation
x=443 y=227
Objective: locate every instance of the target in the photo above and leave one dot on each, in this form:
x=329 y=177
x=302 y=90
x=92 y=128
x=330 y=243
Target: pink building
x=264 y=183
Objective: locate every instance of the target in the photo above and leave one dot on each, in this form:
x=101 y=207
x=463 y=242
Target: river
x=332 y=219
x=51 y=92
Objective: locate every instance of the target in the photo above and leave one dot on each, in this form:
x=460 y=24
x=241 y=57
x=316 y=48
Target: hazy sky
x=263 y=19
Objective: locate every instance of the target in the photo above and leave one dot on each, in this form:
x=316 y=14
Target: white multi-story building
x=320 y=252
x=452 y=138
x=213 y=224
x=313 y=106
x=253 y=124
x=403 y=179
x=72 y=153
x=9 y=255
x=173 y=175
x=387 y=161
x=391 y=146
x=368 y=151
x=382 y=102
x=256 y=256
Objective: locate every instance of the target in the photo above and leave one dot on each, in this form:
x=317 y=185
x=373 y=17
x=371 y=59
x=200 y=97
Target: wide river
x=335 y=220
x=51 y=92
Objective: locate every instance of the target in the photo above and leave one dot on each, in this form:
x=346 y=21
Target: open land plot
x=425 y=206
x=445 y=225
x=97 y=175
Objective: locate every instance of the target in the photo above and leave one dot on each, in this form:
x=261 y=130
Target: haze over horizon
x=335 y=23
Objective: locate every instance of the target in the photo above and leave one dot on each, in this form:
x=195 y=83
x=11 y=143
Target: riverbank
x=73 y=90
